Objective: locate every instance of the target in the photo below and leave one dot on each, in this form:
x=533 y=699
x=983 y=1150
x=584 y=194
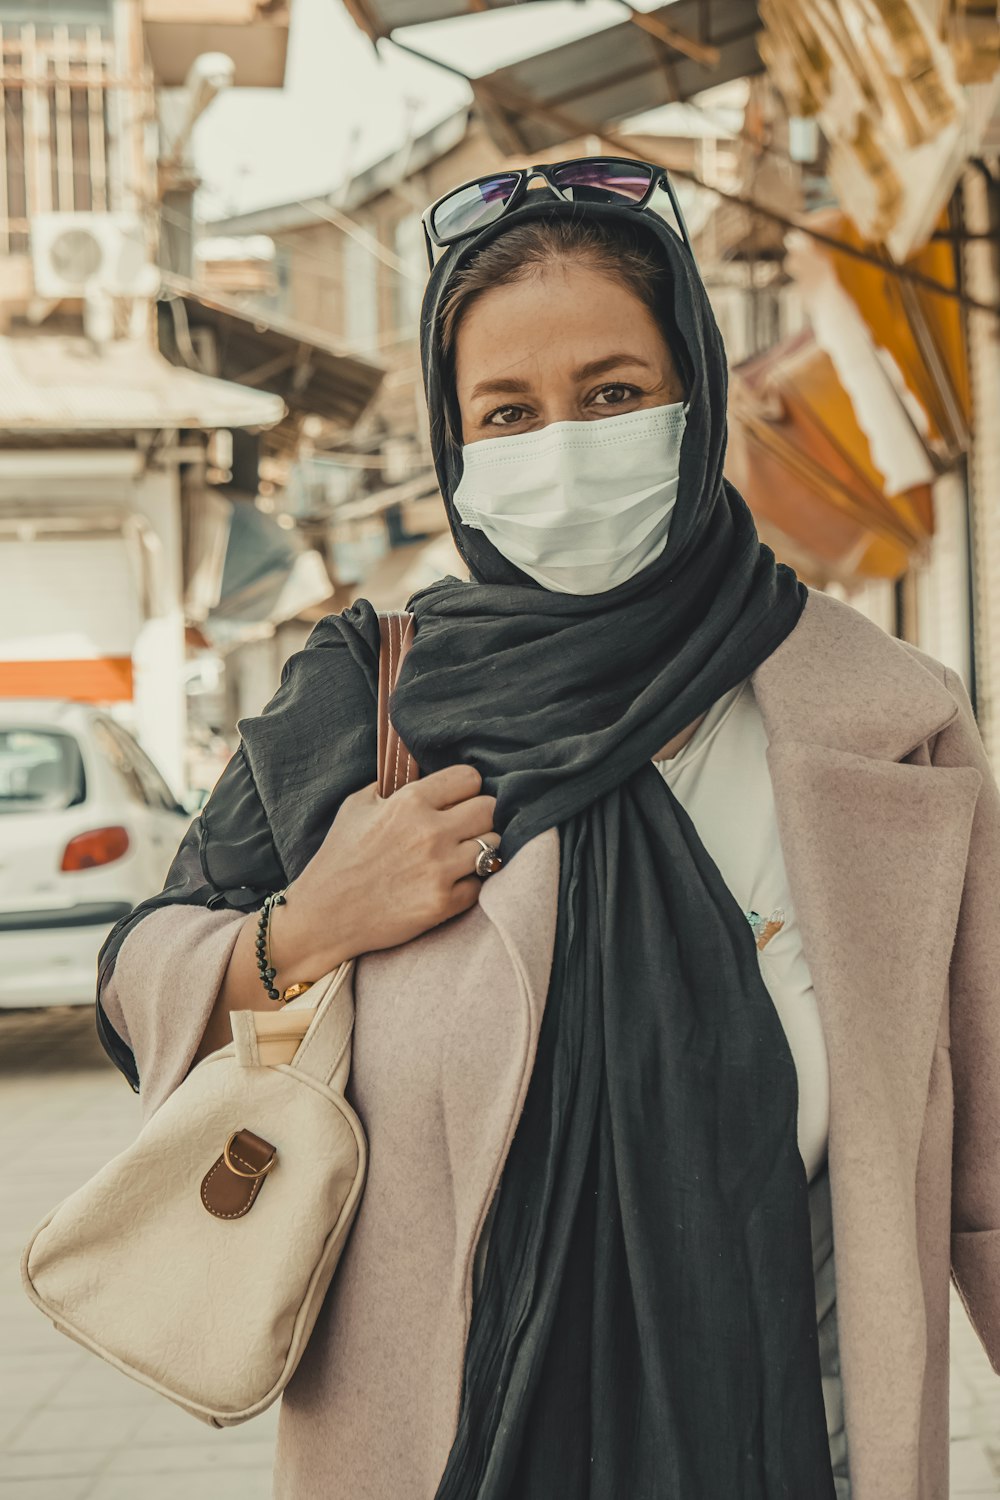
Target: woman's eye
x=505 y=416
x=615 y=395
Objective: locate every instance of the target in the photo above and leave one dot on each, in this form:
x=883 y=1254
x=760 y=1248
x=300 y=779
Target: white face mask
x=578 y=506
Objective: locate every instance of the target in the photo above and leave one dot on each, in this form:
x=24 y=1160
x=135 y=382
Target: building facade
x=121 y=469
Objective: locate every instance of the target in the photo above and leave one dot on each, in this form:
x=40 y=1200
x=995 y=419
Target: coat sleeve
x=975 y=1041
x=163 y=988
x=161 y=966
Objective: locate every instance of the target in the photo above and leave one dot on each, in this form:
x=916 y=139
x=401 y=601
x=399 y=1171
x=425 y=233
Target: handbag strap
x=396 y=766
x=324 y=1052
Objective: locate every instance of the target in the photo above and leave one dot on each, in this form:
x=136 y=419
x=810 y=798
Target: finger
x=364 y=795
x=467 y=820
x=446 y=788
x=465 y=894
x=367 y=797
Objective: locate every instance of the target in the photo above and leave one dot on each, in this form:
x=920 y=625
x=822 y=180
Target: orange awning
x=920 y=329
x=805 y=467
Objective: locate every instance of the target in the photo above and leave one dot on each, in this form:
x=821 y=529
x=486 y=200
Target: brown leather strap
x=396 y=766
x=230 y=1186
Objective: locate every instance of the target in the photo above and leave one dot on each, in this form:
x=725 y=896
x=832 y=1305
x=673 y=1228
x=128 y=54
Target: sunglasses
x=586 y=179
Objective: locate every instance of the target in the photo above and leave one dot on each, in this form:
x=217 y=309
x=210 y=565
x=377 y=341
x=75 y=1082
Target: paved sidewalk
x=71 y=1428
x=975 y=1412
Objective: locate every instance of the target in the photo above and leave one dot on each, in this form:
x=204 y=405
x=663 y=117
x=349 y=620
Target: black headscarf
x=646 y=1325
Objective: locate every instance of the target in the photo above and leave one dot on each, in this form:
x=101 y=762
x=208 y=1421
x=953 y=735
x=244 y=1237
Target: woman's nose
x=562 y=410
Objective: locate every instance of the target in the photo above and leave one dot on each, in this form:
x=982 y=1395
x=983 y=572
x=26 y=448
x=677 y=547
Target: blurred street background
x=212 y=434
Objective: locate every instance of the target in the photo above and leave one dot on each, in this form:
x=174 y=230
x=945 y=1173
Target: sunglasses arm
x=428 y=245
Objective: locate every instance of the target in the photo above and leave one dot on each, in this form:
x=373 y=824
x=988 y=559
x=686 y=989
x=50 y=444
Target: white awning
x=64 y=384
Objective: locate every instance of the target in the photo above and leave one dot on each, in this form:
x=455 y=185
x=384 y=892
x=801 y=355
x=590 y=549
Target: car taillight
x=98 y=847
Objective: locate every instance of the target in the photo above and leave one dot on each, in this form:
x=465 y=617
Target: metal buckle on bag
x=253 y=1171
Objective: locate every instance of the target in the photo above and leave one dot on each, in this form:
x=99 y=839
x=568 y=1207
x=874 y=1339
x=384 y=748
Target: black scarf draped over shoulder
x=646 y=1326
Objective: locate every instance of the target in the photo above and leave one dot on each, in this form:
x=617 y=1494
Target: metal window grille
x=64 y=104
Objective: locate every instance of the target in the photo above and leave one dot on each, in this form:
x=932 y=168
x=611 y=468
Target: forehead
x=558 y=318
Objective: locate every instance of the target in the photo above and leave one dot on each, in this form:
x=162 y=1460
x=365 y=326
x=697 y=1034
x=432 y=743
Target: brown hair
x=620 y=249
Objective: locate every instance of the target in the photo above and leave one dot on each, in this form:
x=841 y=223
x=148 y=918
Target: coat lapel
x=875 y=849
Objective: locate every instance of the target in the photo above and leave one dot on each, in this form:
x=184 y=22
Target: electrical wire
x=361 y=236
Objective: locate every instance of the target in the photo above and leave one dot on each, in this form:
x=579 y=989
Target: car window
x=153 y=788
x=106 y=742
x=41 y=770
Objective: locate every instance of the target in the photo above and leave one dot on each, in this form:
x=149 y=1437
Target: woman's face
x=568 y=344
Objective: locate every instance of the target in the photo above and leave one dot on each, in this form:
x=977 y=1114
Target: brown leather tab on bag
x=396 y=766
x=230 y=1186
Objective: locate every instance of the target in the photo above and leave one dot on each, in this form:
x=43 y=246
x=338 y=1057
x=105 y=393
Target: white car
x=88 y=828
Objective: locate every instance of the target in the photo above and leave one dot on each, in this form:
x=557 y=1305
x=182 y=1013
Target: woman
x=611 y=1089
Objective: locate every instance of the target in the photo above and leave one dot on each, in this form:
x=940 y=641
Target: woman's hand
x=388 y=870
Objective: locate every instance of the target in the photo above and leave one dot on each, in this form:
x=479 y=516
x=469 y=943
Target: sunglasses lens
x=473 y=207
x=599 y=180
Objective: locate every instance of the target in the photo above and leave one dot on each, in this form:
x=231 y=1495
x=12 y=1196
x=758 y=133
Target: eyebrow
x=513 y=387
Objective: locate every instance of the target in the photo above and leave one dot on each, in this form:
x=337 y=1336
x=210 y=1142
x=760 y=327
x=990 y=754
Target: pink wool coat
x=889 y=819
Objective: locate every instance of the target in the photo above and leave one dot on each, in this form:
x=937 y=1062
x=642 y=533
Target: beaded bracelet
x=265 y=968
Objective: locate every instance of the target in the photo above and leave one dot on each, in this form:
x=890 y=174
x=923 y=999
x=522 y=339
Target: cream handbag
x=198 y=1259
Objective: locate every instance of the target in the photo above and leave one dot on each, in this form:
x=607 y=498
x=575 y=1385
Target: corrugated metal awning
x=50 y=383
x=648 y=59
x=310 y=372
x=624 y=70
x=379 y=18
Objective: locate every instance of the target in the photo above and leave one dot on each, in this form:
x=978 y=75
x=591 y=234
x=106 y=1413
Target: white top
x=721 y=779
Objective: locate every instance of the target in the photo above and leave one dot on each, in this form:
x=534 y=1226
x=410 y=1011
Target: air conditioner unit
x=73 y=254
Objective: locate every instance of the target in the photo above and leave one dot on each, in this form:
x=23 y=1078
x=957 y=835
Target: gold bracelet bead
x=295 y=990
